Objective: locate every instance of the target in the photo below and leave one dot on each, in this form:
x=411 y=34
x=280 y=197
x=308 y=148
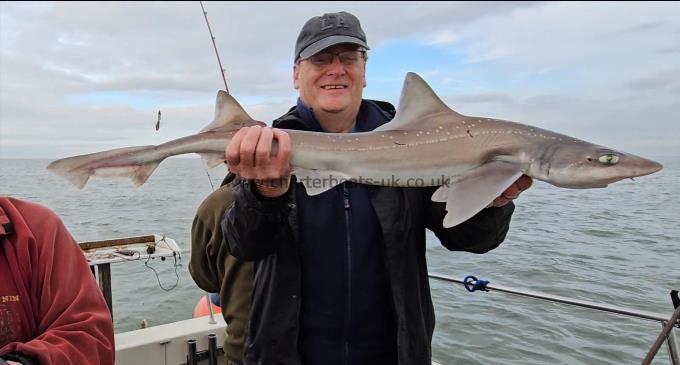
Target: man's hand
x=511 y=193
x=249 y=155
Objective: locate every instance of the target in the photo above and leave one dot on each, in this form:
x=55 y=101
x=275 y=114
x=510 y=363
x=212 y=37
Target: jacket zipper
x=348 y=302
x=297 y=296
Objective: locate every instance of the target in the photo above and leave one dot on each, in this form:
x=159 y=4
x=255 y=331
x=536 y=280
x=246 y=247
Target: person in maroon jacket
x=51 y=310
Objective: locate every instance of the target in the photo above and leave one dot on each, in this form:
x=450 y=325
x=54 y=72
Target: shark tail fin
x=229 y=115
x=121 y=162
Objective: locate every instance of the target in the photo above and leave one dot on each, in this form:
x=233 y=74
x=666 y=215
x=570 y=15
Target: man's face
x=335 y=86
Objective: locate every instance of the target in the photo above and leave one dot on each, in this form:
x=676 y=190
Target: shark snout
x=650 y=167
x=641 y=167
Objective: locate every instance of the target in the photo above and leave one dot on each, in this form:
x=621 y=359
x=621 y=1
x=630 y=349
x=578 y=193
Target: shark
x=471 y=159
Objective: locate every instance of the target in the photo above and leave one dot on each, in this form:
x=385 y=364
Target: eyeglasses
x=347 y=58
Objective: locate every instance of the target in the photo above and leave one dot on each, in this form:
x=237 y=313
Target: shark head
x=581 y=165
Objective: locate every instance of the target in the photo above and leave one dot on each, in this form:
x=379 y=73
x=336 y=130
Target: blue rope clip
x=471 y=284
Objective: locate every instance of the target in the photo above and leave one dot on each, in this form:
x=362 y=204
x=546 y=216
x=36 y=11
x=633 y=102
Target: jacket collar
x=301 y=117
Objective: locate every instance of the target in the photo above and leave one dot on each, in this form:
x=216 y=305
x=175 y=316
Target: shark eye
x=609 y=159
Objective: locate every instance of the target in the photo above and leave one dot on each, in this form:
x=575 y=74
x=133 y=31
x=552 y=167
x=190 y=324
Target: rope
x=176 y=255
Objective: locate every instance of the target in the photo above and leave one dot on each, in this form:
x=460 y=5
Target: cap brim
x=322 y=44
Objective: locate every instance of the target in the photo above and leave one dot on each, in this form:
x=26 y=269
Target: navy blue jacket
x=346 y=315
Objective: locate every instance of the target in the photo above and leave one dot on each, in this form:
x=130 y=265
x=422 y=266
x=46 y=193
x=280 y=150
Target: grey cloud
x=675 y=49
x=634 y=29
x=660 y=80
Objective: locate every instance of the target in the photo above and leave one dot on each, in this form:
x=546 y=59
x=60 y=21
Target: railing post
x=210 y=309
x=673 y=348
x=105 y=284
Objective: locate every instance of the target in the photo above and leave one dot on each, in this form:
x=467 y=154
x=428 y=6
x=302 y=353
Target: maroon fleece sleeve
x=71 y=321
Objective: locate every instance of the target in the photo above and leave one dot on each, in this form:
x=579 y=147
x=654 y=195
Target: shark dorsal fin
x=417 y=102
x=229 y=115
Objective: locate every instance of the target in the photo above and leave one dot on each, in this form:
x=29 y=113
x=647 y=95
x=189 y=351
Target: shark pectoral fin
x=319 y=181
x=212 y=159
x=468 y=194
x=441 y=195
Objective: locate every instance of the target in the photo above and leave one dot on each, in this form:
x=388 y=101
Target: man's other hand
x=523 y=183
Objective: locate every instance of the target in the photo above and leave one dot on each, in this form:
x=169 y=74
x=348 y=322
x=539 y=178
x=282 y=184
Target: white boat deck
x=167 y=344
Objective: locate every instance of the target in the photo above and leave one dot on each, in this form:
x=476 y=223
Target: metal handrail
x=664 y=321
x=560 y=299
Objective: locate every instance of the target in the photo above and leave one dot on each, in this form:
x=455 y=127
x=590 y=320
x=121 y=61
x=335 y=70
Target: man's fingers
x=512 y=192
x=264 y=147
x=524 y=182
x=232 y=152
x=248 y=145
x=284 y=152
x=521 y=184
x=500 y=201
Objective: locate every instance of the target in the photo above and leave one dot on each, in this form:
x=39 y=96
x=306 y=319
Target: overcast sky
x=82 y=77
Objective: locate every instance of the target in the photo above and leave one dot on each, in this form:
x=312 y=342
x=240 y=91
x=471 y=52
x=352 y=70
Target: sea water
x=617 y=246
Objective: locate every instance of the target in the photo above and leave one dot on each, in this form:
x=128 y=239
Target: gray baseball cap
x=321 y=32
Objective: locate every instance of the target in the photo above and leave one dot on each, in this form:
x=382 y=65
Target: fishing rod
x=219 y=62
x=224 y=78
x=226 y=88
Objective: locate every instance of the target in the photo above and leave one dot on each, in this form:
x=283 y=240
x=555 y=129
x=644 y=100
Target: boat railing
x=667 y=335
x=101 y=254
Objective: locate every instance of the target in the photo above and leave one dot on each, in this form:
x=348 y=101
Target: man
x=51 y=310
x=340 y=277
x=215 y=270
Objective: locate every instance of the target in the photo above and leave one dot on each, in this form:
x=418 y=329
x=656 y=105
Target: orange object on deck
x=201 y=308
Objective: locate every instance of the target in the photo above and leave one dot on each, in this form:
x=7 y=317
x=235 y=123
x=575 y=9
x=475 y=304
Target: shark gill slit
x=546 y=157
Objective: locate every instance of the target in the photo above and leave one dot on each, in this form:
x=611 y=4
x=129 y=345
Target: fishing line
x=205 y=167
x=134 y=255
